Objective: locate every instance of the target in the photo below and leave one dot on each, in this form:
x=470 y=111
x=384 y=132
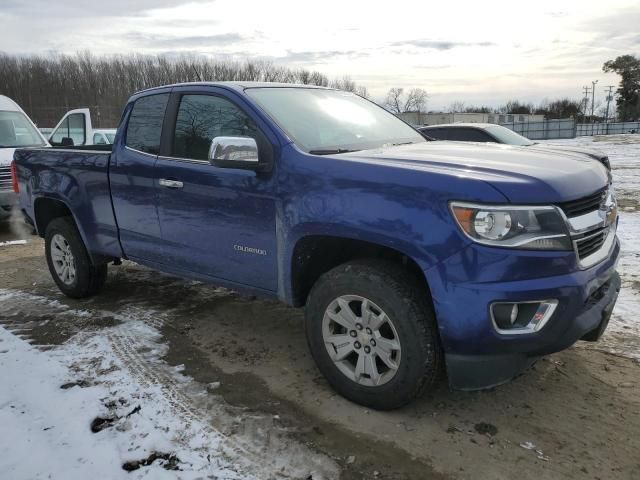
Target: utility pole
x=593 y=103
x=609 y=98
x=585 y=101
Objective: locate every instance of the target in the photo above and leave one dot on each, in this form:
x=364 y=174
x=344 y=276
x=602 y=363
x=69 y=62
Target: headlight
x=536 y=228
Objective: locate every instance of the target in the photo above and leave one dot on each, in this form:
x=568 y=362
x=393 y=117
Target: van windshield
x=324 y=121
x=17 y=131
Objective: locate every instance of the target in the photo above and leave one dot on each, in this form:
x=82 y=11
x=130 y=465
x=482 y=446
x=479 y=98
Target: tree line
x=559 y=108
x=399 y=100
x=47 y=87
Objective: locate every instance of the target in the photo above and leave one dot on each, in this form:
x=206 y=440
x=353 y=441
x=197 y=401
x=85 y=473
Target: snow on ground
x=113 y=377
x=49 y=427
x=13 y=242
x=623 y=334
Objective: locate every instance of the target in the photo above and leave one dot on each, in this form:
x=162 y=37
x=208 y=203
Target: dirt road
x=574 y=415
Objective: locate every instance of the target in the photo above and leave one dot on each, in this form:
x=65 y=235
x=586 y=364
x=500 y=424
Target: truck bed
x=79 y=178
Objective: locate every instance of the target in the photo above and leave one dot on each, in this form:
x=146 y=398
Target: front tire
x=68 y=261
x=372 y=332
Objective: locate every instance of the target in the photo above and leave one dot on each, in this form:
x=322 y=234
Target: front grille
x=575 y=208
x=591 y=244
x=5 y=178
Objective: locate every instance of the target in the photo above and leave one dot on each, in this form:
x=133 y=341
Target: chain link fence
x=601 y=128
x=544 y=130
x=568 y=128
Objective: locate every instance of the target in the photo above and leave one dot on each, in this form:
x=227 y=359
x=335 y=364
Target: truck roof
x=7 y=104
x=237 y=85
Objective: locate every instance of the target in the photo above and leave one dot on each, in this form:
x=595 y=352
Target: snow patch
x=13 y=242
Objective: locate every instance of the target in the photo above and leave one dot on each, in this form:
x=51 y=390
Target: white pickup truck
x=75 y=129
x=16 y=130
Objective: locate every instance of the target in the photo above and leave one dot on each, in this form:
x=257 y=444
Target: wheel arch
x=46 y=209
x=315 y=254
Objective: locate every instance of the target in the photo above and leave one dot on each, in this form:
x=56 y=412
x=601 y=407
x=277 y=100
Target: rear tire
x=69 y=262
x=394 y=331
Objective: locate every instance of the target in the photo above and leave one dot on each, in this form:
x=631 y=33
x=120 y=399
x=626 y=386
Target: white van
x=16 y=130
x=75 y=129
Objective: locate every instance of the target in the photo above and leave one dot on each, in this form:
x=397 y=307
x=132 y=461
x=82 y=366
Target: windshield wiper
x=331 y=151
x=402 y=143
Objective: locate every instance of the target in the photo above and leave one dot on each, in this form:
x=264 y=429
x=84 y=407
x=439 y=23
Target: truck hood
x=521 y=174
x=568 y=150
x=6 y=156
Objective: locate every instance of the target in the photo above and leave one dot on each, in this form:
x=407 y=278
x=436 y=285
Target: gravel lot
x=226 y=385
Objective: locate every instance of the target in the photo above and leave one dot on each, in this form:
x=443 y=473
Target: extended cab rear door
x=132 y=177
x=218 y=222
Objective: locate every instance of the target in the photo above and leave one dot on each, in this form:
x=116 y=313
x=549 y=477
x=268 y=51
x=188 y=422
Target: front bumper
x=477 y=356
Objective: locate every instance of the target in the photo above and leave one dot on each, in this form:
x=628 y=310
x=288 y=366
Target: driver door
x=216 y=222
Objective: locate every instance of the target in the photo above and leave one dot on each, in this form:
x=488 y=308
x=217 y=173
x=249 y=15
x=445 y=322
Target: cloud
x=81 y=8
x=156 y=41
x=321 y=56
x=440 y=44
x=557 y=14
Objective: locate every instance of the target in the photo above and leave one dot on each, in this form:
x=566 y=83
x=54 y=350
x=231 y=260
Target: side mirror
x=66 y=142
x=234 y=152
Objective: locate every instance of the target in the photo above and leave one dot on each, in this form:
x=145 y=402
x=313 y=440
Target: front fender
x=393 y=207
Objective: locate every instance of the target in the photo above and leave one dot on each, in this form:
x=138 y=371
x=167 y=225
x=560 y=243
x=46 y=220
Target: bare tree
x=416 y=100
x=394 y=100
x=457 y=106
x=363 y=91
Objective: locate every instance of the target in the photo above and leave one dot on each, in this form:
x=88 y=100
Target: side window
x=477 y=135
x=145 y=123
x=61 y=132
x=98 y=139
x=438 y=133
x=76 y=129
x=459 y=134
x=201 y=118
x=72 y=127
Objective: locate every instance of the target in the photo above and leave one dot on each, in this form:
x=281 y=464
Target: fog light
x=522 y=317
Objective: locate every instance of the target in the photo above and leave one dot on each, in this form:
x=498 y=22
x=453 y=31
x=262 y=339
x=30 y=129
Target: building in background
x=420 y=118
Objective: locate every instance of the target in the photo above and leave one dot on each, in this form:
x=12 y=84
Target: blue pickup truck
x=410 y=257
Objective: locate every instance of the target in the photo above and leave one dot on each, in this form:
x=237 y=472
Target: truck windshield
x=331 y=121
x=17 y=131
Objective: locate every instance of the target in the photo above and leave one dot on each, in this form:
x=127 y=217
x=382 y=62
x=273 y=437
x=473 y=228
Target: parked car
x=405 y=253
x=75 y=128
x=492 y=133
x=16 y=130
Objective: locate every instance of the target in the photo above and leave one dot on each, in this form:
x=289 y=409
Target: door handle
x=170 y=183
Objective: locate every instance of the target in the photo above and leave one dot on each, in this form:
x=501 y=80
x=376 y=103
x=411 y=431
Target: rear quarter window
x=145 y=123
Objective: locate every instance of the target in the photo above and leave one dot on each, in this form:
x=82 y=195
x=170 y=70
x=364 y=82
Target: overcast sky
x=471 y=51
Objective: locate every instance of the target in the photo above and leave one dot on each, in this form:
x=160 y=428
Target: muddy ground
x=579 y=408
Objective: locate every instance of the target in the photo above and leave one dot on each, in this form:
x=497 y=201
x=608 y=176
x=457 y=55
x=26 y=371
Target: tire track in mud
x=248 y=441
x=258 y=460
